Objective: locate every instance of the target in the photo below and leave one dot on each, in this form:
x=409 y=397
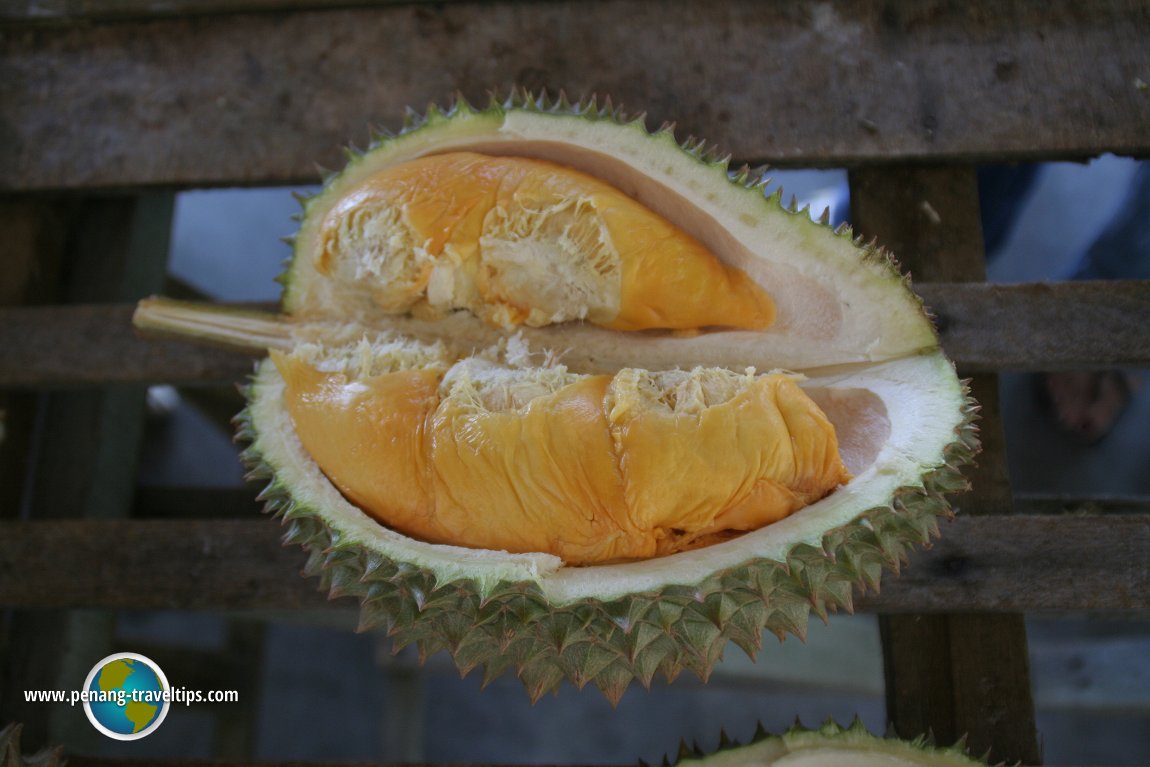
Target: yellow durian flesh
x=526 y=241
x=493 y=452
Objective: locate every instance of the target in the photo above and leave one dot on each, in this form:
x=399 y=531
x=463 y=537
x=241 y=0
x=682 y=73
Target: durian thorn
x=205 y=323
x=326 y=175
x=411 y=119
x=460 y=103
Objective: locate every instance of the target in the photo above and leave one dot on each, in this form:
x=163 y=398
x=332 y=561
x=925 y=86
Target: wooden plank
x=197 y=565
x=987 y=327
x=1001 y=564
x=948 y=673
x=56 y=12
x=1057 y=326
x=260 y=98
x=96 y=344
x=39 y=12
x=163 y=502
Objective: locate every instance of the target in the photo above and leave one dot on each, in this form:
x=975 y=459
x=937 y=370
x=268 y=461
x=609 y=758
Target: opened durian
x=829 y=746
x=559 y=395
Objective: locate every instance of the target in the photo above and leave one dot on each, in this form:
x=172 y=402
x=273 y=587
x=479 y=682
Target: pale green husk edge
x=831 y=738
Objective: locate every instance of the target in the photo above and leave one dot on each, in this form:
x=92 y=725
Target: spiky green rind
x=847 y=743
x=11 y=756
x=524 y=613
x=501 y=625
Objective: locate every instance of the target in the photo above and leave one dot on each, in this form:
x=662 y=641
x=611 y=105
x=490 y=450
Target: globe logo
x=126 y=696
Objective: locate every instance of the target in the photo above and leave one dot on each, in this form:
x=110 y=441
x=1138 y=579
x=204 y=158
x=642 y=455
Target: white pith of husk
x=833 y=306
x=912 y=392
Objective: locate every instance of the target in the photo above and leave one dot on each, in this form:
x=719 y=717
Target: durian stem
x=227 y=326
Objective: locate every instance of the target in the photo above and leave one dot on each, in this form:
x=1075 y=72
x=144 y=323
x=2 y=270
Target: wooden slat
x=177 y=502
x=54 y=12
x=1002 y=564
x=1042 y=326
x=983 y=327
x=96 y=344
x=260 y=98
x=949 y=673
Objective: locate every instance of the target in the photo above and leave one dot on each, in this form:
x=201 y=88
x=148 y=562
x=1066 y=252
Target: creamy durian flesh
x=498 y=453
x=523 y=241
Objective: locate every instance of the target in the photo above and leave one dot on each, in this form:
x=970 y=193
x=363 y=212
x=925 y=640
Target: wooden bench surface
x=260 y=98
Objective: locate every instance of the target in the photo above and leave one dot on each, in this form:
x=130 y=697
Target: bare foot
x=1088 y=403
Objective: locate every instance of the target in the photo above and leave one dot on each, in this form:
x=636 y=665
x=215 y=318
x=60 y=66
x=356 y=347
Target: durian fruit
x=829 y=746
x=537 y=325
x=12 y=756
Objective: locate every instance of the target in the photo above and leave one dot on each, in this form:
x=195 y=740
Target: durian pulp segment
x=502 y=452
x=525 y=241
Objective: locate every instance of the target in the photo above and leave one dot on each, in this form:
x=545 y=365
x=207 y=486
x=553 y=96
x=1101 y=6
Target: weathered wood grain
x=83 y=11
x=96 y=344
x=1042 y=326
x=1027 y=563
x=1056 y=326
x=175 y=502
x=260 y=98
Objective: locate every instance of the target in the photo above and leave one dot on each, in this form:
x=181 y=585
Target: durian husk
x=654 y=619
x=830 y=745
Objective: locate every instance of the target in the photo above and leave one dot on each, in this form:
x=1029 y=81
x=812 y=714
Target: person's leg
x=1089 y=403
